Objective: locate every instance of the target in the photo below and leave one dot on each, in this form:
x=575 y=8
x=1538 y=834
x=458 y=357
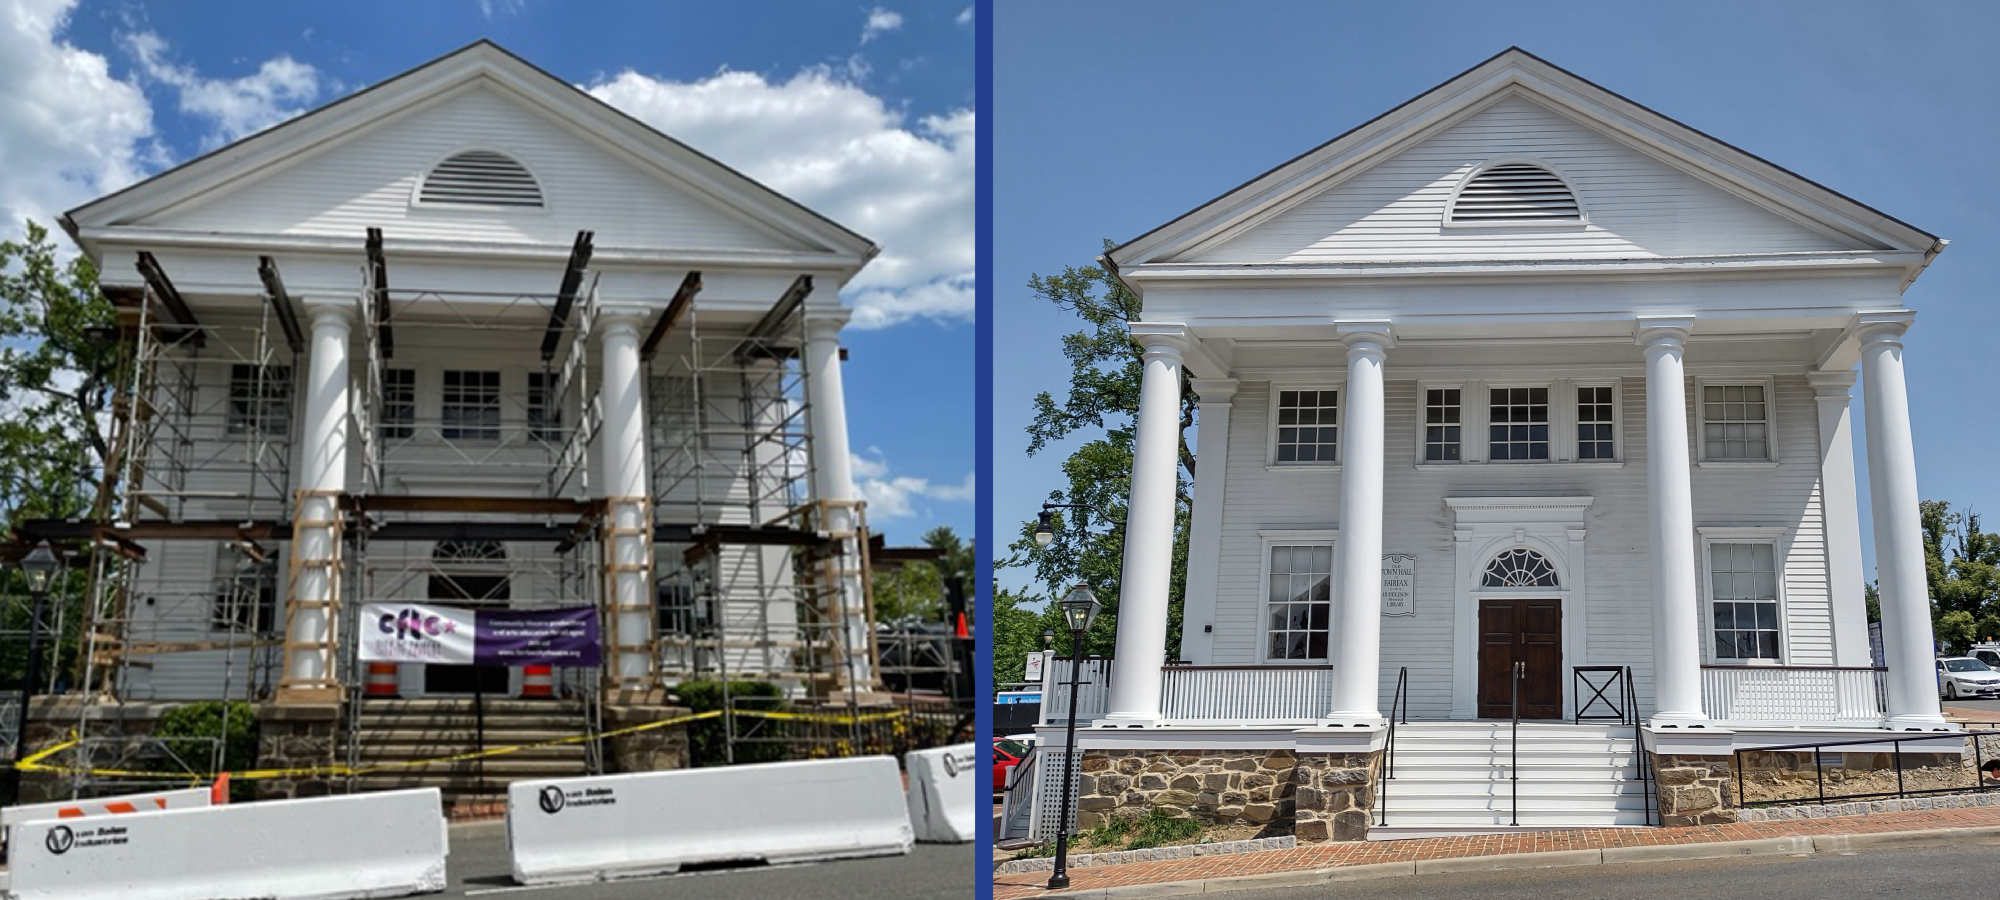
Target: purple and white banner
x=420 y=632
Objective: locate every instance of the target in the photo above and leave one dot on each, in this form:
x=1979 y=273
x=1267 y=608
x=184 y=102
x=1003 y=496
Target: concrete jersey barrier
x=122 y=804
x=942 y=784
x=649 y=823
x=388 y=844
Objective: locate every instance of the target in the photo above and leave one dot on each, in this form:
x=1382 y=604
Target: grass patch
x=1154 y=829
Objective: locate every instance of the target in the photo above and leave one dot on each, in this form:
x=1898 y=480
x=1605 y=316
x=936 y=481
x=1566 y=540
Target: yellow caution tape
x=34 y=763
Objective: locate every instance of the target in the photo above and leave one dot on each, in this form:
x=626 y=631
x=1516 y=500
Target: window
x=1735 y=422
x=246 y=593
x=481 y=178
x=471 y=406
x=1308 y=426
x=1441 y=424
x=1301 y=600
x=544 y=409
x=1518 y=423
x=1515 y=194
x=1519 y=568
x=399 y=403
x=1593 y=424
x=1745 y=600
x=260 y=400
x=679 y=613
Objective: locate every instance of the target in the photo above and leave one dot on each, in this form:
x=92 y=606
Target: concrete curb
x=1785 y=846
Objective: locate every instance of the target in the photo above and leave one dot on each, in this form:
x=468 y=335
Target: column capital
x=331 y=313
x=1833 y=384
x=1214 y=391
x=621 y=318
x=1167 y=339
x=1650 y=330
x=823 y=323
x=1379 y=332
x=1882 y=326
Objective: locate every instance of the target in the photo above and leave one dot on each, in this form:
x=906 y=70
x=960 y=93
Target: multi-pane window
x=1593 y=423
x=1307 y=425
x=260 y=399
x=1735 y=422
x=679 y=613
x=1745 y=577
x=1441 y=424
x=471 y=408
x=246 y=593
x=399 y=403
x=1301 y=600
x=1518 y=423
x=544 y=409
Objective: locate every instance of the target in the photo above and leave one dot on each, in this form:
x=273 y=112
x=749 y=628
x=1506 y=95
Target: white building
x=472 y=336
x=1520 y=372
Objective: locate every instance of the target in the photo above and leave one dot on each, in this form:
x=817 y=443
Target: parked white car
x=1964 y=676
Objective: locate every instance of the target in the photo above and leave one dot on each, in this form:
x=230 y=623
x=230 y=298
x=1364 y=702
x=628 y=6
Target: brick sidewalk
x=1358 y=853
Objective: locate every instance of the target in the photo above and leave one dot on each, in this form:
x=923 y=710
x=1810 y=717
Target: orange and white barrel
x=538 y=681
x=381 y=679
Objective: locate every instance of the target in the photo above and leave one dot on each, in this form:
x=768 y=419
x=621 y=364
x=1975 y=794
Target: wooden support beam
x=170 y=298
x=572 y=280
x=378 y=268
x=281 y=303
x=794 y=297
x=676 y=308
x=406 y=503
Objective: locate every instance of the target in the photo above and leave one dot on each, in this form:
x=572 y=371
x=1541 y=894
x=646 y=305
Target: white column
x=1357 y=613
x=1841 y=512
x=1899 y=541
x=322 y=478
x=1670 y=507
x=1134 y=698
x=833 y=477
x=1205 y=532
x=626 y=489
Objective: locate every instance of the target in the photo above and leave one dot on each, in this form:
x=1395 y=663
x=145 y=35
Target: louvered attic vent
x=484 y=178
x=1515 y=192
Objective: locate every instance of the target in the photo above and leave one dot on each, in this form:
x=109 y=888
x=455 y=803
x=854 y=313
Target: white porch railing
x=1246 y=695
x=1793 y=694
x=1090 y=696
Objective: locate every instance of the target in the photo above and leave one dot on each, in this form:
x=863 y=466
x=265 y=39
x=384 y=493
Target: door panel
x=1528 y=631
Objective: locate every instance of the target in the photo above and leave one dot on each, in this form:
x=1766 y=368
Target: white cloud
x=280 y=88
x=896 y=496
x=488 y=9
x=829 y=144
x=69 y=131
x=880 y=21
x=964 y=16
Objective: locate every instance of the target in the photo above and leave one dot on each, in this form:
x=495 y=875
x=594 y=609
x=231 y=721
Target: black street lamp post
x=1079 y=610
x=39 y=568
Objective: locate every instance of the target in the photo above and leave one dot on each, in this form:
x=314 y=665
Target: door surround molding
x=1485 y=527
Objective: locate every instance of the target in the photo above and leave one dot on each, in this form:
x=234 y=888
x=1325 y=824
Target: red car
x=1006 y=753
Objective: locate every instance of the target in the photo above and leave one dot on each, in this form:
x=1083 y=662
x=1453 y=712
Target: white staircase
x=1454 y=778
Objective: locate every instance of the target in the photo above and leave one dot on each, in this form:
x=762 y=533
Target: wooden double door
x=1520 y=631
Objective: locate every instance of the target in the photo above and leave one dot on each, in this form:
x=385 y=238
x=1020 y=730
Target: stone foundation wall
x=298 y=737
x=1695 y=790
x=651 y=750
x=50 y=721
x=1218 y=788
x=1336 y=796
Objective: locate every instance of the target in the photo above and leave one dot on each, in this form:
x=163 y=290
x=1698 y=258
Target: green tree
x=1962 y=572
x=915 y=591
x=60 y=364
x=1103 y=394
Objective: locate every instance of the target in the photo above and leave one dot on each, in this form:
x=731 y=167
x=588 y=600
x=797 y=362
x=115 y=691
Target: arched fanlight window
x=469 y=551
x=481 y=178
x=1519 y=568
x=467 y=571
x=1515 y=194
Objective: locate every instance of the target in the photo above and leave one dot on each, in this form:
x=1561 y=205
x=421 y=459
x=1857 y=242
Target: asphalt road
x=1966 y=869
x=478 y=868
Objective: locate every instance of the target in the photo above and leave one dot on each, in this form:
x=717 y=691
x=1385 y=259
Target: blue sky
x=96 y=94
x=1111 y=118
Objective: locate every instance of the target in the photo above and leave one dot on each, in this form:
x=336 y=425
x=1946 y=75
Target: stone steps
x=1457 y=778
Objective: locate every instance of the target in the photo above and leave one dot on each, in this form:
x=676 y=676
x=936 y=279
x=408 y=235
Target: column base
x=1128 y=720
x=1360 y=720
x=1919 y=722
x=1669 y=719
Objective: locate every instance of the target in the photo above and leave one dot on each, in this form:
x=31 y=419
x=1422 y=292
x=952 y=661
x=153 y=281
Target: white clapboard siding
x=1617 y=550
x=371 y=181
x=1637 y=205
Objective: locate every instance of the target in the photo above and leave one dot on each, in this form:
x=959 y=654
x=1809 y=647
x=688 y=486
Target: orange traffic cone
x=218 y=793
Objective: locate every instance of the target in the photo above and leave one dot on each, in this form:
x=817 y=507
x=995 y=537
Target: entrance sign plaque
x=1399 y=584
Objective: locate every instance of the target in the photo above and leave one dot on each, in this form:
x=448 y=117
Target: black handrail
x=1640 y=757
x=1896 y=749
x=1621 y=711
x=1400 y=701
x=1520 y=671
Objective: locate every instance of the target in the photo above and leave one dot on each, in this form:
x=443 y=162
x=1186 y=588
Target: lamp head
x=1080 y=608
x=40 y=567
x=1043 y=532
x=1048 y=638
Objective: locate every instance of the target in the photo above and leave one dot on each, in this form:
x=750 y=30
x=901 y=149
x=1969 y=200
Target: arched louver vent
x=1515 y=192
x=1519 y=568
x=482 y=177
